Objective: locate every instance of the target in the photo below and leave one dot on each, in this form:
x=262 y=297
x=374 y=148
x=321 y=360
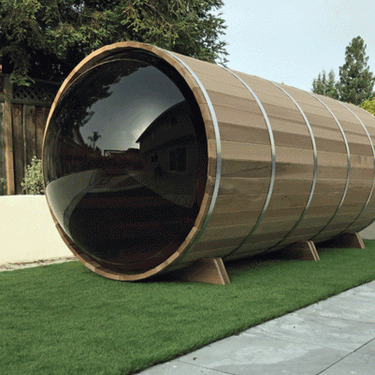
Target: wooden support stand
x=304 y=250
x=206 y=270
x=345 y=241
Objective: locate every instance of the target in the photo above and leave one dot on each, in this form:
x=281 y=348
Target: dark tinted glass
x=125 y=161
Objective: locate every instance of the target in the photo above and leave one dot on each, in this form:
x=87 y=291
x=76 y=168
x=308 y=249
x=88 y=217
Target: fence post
x=9 y=167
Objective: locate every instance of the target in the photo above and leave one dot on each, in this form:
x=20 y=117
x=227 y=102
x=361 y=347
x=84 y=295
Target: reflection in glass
x=125 y=161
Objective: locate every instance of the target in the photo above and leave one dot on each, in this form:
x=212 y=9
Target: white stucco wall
x=27 y=231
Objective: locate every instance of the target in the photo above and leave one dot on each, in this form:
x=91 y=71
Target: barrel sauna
x=153 y=161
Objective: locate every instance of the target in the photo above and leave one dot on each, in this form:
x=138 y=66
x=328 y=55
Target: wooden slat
x=41 y=114
x=282 y=224
x=230 y=231
x=194 y=256
x=246 y=168
x=236 y=218
x=245 y=151
x=246 y=134
x=237 y=117
x=32 y=138
x=236 y=203
x=2 y=145
x=217 y=86
x=224 y=100
x=8 y=129
x=263 y=88
x=29 y=129
x=280 y=113
x=18 y=146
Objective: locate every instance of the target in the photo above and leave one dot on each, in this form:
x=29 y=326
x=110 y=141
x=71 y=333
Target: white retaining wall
x=27 y=231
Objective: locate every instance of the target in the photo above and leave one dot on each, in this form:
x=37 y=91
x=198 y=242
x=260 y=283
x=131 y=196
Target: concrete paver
x=259 y=354
x=180 y=368
x=353 y=364
x=341 y=334
x=357 y=304
x=332 y=337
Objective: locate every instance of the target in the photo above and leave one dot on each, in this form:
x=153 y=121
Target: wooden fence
x=23 y=116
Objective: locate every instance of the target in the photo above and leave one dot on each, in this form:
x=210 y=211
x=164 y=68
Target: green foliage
x=46 y=39
x=369 y=105
x=33 y=180
x=324 y=85
x=356 y=81
x=95 y=137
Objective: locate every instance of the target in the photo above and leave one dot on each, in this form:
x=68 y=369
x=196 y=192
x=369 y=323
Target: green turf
x=65 y=319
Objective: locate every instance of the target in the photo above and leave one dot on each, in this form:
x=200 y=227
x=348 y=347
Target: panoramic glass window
x=125 y=161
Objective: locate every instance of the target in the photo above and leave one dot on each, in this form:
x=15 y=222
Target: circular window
x=125 y=161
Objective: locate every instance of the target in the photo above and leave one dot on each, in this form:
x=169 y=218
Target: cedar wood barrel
x=224 y=165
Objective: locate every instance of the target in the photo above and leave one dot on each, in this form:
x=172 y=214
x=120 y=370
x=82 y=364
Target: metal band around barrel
x=218 y=148
x=315 y=175
x=273 y=162
x=348 y=171
x=373 y=179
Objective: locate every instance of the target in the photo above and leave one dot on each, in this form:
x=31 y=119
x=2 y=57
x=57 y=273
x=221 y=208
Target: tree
x=47 y=38
x=369 y=105
x=326 y=86
x=95 y=137
x=356 y=81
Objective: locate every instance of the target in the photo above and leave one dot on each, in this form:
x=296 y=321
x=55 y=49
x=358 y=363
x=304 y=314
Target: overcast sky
x=291 y=41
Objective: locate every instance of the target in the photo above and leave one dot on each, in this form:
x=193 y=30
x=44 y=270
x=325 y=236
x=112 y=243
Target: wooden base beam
x=345 y=241
x=206 y=270
x=303 y=250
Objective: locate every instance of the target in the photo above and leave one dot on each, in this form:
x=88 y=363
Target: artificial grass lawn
x=65 y=319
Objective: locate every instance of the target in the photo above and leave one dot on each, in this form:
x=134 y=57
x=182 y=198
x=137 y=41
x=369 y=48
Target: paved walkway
x=331 y=337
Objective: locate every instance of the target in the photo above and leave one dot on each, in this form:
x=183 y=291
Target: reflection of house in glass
x=116 y=161
x=168 y=146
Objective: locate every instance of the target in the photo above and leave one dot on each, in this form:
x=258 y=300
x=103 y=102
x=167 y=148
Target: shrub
x=369 y=105
x=33 y=180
